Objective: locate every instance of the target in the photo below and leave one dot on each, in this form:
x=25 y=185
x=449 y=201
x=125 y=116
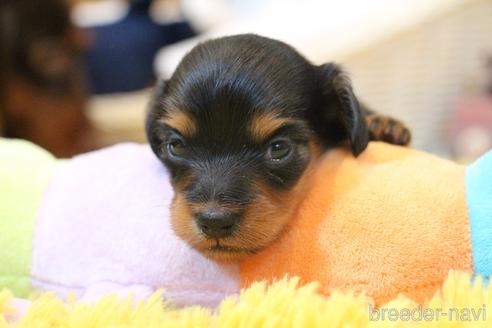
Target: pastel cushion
x=392 y=220
x=25 y=171
x=104 y=227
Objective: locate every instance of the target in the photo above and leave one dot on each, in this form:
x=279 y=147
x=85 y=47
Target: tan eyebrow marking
x=181 y=122
x=263 y=125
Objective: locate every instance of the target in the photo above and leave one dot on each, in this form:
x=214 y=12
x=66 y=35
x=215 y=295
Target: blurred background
x=76 y=75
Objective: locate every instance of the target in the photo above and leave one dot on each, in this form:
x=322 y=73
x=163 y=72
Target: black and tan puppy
x=239 y=125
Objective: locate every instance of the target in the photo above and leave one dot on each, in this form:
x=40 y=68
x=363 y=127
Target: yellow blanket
x=458 y=304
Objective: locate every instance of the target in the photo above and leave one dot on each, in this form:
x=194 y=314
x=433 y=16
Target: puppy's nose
x=216 y=224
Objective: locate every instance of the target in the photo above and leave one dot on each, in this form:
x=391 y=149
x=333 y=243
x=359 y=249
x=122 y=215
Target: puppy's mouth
x=221 y=251
x=218 y=247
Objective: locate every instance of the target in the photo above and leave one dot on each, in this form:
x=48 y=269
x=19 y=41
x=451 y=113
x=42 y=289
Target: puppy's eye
x=176 y=148
x=279 y=150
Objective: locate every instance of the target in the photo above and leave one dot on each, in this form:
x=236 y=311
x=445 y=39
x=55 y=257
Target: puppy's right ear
x=154 y=112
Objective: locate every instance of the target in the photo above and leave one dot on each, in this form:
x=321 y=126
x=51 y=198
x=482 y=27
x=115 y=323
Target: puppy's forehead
x=239 y=89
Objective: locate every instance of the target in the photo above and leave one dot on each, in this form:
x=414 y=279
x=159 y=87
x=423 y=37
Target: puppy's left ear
x=339 y=116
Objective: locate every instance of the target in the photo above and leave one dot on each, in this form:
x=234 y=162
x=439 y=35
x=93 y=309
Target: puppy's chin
x=230 y=249
x=226 y=254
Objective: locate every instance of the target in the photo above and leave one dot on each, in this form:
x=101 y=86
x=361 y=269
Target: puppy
x=239 y=125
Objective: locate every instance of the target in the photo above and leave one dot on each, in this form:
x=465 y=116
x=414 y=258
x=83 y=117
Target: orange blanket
x=392 y=220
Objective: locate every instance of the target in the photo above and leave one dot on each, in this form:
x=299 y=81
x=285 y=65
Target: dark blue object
x=121 y=58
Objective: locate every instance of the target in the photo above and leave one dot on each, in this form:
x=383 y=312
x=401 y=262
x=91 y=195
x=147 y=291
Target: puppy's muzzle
x=217 y=224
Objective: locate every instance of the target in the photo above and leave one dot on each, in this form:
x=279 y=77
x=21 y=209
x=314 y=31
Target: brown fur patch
x=181 y=122
x=384 y=128
x=182 y=220
x=263 y=125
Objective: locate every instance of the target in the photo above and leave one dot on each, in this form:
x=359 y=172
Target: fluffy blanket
x=284 y=304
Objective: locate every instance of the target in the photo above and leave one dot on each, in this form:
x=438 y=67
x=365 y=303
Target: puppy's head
x=239 y=124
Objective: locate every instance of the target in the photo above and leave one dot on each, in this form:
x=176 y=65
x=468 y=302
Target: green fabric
x=25 y=171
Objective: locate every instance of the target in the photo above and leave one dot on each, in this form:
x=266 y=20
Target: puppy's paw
x=387 y=129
